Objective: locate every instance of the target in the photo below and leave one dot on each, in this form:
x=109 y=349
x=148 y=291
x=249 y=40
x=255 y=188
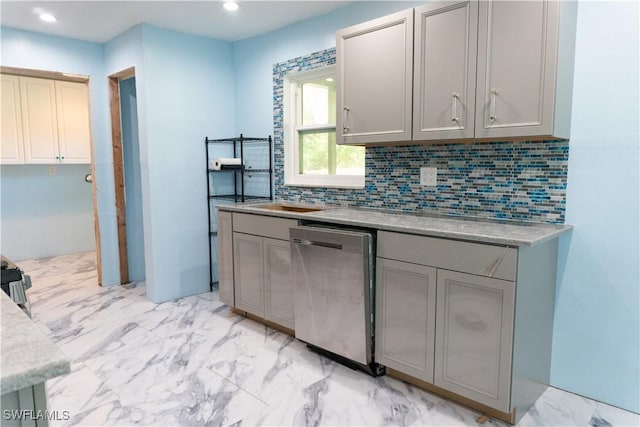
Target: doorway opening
x=127 y=176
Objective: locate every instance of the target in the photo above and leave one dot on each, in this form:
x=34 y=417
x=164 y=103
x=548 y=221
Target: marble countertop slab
x=477 y=230
x=28 y=356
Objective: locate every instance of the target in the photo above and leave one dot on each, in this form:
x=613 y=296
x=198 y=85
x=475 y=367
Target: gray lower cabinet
x=225 y=258
x=257 y=278
x=278 y=295
x=21 y=408
x=405 y=317
x=448 y=315
x=474 y=334
x=247 y=272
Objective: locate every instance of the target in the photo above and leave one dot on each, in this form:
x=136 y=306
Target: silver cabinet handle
x=454 y=108
x=305 y=242
x=492 y=110
x=345 y=118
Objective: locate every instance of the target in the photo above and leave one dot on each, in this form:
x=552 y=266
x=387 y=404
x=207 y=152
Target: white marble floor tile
x=559 y=408
x=265 y=362
x=346 y=397
x=101 y=308
x=78 y=391
x=189 y=314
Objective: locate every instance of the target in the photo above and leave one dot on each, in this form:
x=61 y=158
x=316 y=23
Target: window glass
x=349 y=160
x=314 y=152
x=319 y=102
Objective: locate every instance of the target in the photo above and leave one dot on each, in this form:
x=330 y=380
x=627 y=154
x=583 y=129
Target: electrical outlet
x=52 y=170
x=429 y=177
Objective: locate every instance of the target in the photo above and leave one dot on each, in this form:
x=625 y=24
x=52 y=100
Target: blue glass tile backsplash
x=524 y=181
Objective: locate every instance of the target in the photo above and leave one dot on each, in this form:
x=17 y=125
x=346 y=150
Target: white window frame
x=291 y=115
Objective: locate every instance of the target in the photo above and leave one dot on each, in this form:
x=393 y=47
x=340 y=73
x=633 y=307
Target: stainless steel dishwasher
x=333 y=283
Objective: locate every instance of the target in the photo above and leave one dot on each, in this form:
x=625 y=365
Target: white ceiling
x=100 y=21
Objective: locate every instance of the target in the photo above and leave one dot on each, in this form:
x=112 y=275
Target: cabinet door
x=474 y=334
x=517 y=54
x=225 y=258
x=278 y=286
x=445 y=70
x=39 y=121
x=74 y=134
x=247 y=273
x=374 y=80
x=12 y=144
x=405 y=317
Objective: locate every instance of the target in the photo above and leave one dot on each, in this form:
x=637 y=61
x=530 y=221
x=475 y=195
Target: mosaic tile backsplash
x=523 y=181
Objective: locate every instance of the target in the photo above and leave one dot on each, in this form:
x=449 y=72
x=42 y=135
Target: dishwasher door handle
x=306 y=242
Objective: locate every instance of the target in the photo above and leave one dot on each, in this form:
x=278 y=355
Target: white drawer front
x=474 y=258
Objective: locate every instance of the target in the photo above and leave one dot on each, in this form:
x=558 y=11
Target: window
x=312 y=157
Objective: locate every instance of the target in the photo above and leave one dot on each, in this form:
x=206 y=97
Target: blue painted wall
x=188 y=86
x=597 y=324
x=596 y=348
x=45 y=215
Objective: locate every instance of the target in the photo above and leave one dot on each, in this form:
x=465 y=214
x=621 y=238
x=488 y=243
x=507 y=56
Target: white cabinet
x=486 y=70
x=474 y=337
x=525 y=68
x=50 y=123
x=74 y=133
x=405 y=317
x=39 y=119
x=261 y=283
x=374 y=80
x=12 y=143
x=444 y=78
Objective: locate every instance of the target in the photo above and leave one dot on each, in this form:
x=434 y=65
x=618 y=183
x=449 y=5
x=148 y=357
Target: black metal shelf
x=235 y=168
x=235 y=196
x=240 y=173
x=239 y=139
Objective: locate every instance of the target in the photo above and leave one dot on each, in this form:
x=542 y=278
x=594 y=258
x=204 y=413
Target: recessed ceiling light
x=230 y=5
x=47 y=17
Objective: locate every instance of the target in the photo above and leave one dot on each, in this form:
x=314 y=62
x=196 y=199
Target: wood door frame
x=118 y=167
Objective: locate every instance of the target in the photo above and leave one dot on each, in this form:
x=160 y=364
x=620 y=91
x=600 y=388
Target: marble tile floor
x=192 y=362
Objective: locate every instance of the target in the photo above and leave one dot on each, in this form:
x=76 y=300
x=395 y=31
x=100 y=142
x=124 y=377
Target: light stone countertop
x=28 y=357
x=477 y=230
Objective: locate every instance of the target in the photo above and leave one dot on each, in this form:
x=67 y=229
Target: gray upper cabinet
x=525 y=68
x=474 y=336
x=374 y=85
x=225 y=258
x=458 y=70
x=445 y=70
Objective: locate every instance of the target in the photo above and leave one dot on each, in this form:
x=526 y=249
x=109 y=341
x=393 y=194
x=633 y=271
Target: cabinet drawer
x=259 y=225
x=473 y=258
